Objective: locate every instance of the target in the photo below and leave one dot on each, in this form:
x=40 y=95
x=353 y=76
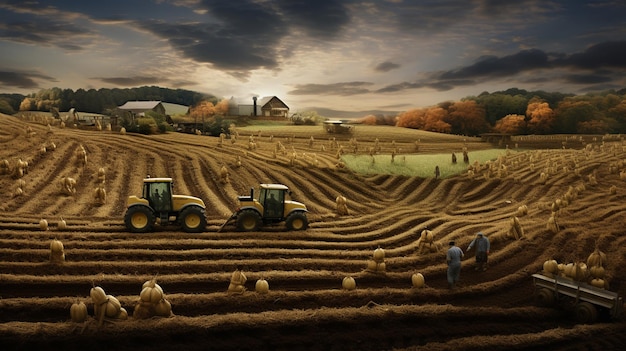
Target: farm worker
x=482 y=251
x=453 y=258
x=437 y=173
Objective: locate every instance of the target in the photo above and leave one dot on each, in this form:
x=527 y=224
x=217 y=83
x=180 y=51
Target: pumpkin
x=57 y=254
x=43 y=224
x=580 y=272
x=381 y=267
x=596 y=272
x=151 y=292
x=98 y=296
x=372 y=265
x=596 y=258
x=112 y=307
x=348 y=283
x=163 y=308
x=123 y=314
x=417 y=279
x=551 y=266
x=379 y=255
x=78 y=312
x=143 y=310
x=262 y=286
x=598 y=283
x=62 y=225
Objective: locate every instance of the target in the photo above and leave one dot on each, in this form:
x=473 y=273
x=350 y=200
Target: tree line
x=517 y=111
x=101 y=101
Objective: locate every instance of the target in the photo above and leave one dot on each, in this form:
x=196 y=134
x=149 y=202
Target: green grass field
x=418 y=165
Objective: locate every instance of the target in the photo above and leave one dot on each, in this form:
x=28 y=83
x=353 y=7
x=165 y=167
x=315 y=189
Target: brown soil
x=306 y=308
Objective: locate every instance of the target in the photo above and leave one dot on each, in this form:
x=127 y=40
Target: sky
x=350 y=55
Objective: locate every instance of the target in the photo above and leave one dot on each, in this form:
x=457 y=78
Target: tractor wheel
x=193 y=219
x=139 y=219
x=248 y=221
x=586 y=313
x=297 y=221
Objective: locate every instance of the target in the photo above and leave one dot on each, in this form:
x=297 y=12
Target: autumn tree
x=412 y=119
x=434 y=120
x=571 y=112
x=466 y=118
x=368 y=120
x=540 y=118
x=510 y=124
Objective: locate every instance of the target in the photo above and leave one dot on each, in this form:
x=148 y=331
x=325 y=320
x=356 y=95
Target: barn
x=138 y=108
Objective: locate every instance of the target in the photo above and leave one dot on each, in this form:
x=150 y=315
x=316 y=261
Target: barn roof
x=139 y=105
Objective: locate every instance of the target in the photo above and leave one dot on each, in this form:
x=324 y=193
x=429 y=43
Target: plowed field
x=306 y=308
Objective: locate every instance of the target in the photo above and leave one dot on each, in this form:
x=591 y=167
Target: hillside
x=306 y=308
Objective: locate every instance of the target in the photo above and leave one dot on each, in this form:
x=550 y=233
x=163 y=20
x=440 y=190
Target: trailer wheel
x=586 y=313
x=545 y=297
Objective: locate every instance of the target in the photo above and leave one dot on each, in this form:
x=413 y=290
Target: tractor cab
x=158 y=192
x=273 y=201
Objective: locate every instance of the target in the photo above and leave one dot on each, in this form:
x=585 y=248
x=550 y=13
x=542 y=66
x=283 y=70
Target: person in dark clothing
x=482 y=251
x=453 y=258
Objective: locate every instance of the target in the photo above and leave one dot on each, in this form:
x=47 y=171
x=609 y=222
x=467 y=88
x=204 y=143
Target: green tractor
x=158 y=204
x=271 y=207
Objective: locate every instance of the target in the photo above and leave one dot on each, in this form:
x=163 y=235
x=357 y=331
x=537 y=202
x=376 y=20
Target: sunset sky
x=347 y=55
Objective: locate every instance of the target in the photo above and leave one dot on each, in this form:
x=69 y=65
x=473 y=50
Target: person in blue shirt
x=482 y=251
x=453 y=258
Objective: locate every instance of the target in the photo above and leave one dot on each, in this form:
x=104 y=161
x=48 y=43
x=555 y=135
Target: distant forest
x=101 y=101
x=514 y=111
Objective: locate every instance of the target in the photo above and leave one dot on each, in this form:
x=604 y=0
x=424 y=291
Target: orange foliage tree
x=541 y=117
x=412 y=118
x=510 y=124
x=206 y=109
x=467 y=118
x=430 y=119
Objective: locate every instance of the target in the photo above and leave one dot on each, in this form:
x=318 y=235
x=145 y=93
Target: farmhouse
x=269 y=106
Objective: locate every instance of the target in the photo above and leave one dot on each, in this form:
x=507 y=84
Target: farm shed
x=141 y=107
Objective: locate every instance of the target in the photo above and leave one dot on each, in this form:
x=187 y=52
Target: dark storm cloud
x=320 y=19
x=130 y=81
x=246 y=35
x=341 y=89
x=607 y=54
x=587 y=78
x=37 y=23
x=386 y=66
x=500 y=66
x=44 y=32
x=22 y=80
x=600 y=63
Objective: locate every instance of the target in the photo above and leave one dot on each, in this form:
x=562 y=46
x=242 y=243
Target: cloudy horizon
x=347 y=55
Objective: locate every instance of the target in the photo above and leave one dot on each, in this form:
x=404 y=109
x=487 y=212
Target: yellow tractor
x=158 y=204
x=272 y=206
